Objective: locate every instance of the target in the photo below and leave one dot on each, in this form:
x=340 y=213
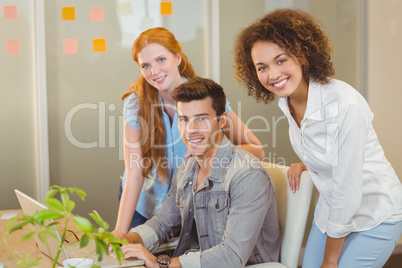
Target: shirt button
x=191 y=182
x=178 y=202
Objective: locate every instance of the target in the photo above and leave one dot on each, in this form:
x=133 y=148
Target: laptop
x=70 y=250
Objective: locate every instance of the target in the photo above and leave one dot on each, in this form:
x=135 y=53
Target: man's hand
x=294 y=174
x=118 y=234
x=138 y=251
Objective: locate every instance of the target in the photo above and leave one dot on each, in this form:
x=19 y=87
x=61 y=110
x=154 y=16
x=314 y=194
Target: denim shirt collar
x=219 y=164
x=221 y=160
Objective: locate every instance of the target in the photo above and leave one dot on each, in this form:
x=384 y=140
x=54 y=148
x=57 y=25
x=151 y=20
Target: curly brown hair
x=298 y=34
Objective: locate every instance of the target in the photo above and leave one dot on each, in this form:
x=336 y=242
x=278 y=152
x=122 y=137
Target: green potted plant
x=60 y=212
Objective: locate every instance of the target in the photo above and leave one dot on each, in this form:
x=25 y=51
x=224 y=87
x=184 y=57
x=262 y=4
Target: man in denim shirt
x=221 y=199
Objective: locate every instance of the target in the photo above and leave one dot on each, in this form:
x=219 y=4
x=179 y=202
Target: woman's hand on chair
x=294 y=174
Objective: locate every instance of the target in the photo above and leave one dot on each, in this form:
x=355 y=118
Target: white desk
x=21 y=248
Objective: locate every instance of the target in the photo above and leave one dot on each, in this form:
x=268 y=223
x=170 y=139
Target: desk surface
x=21 y=248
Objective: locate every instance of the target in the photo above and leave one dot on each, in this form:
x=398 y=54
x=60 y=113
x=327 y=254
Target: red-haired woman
x=152 y=144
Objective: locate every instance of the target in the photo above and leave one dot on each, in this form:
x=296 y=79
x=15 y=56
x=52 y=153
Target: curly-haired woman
x=358 y=217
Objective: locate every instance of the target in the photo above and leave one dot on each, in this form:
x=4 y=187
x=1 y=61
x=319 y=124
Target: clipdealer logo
x=101 y=139
x=111 y=128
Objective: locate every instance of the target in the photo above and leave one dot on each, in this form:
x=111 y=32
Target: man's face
x=199 y=127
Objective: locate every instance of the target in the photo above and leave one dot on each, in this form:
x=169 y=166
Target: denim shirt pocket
x=218 y=209
x=181 y=199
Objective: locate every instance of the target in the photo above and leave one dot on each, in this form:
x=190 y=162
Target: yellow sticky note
x=68 y=13
x=166 y=8
x=99 y=45
x=13 y=46
x=10 y=12
x=70 y=46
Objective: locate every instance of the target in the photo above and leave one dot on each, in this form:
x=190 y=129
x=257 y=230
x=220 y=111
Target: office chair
x=293 y=209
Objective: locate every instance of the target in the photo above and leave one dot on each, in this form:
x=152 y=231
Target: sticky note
x=13 y=46
x=68 y=13
x=125 y=9
x=70 y=46
x=99 y=45
x=96 y=14
x=10 y=12
x=166 y=8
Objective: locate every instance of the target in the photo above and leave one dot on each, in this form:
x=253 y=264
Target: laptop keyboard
x=74 y=251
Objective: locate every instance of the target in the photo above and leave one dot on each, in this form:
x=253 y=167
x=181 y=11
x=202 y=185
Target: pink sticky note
x=10 y=12
x=96 y=14
x=70 y=46
x=13 y=46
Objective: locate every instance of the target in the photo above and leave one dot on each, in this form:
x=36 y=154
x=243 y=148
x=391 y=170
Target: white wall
x=384 y=69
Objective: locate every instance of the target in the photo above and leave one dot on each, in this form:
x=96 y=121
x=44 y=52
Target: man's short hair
x=199 y=88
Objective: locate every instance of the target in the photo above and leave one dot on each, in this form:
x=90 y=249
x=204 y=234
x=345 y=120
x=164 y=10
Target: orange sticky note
x=68 y=13
x=10 y=12
x=96 y=14
x=13 y=46
x=99 y=45
x=166 y=8
x=70 y=46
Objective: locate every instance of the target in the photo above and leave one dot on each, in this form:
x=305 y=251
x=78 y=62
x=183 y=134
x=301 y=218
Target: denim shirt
x=154 y=192
x=234 y=210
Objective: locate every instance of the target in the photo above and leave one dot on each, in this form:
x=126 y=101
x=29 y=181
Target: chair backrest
x=293 y=209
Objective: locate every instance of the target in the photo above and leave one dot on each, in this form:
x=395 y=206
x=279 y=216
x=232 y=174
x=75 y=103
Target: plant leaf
x=97 y=218
x=47 y=214
x=42 y=236
x=51 y=193
x=70 y=205
x=99 y=248
x=55 y=203
x=27 y=262
x=84 y=241
x=18 y=227
x=64 y=197
x=83 y=224
x=81 y=193
x=119 y=253
x=27 y=236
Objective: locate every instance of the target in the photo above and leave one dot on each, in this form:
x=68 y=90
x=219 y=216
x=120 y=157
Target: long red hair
x=147 y=95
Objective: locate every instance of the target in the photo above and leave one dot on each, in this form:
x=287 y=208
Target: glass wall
x=18 y=139
x=84 y=87
x=89 y=66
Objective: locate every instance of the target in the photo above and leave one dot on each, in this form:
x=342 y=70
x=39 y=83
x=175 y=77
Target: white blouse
x=336 y=141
